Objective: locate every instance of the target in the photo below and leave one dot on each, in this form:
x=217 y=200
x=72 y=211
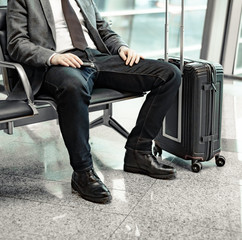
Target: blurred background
x=213 y=29
x=141 y=23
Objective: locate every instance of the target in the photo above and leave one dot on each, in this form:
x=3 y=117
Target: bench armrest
x=24 y=79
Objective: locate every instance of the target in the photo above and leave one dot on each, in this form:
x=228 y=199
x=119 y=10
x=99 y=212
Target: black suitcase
x=192 y=127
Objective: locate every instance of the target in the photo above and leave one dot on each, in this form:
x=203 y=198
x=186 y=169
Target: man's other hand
x=67 y=60
x=129 y=56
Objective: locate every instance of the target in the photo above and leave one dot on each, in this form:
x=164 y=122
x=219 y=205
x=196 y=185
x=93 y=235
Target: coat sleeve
x=19 y=44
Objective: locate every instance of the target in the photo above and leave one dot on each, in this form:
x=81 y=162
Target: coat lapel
x=89 y=16
x=85 y=8
x=49 y=16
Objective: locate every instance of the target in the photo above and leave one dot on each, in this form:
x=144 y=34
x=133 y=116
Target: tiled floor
x=36 y=201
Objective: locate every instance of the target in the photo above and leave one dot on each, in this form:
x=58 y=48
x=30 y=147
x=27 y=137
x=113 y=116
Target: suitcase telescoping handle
x=179 y=107
x=181 y=33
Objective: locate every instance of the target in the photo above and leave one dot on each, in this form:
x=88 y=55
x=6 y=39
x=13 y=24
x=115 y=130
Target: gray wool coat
x=31 y=35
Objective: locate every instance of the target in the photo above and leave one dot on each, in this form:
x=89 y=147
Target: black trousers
x=72 y=89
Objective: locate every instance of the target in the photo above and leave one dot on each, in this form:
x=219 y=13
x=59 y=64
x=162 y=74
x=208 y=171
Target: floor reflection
x=36 y=201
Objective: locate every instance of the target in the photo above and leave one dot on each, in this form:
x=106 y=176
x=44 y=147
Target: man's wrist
x=120 y=48
x=49 y=60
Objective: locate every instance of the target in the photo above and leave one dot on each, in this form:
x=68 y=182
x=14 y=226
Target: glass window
x=3 y=3
x=141 y=24
x=238 y=58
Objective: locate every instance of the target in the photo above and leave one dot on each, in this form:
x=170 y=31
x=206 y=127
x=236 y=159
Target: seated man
x=52 y=39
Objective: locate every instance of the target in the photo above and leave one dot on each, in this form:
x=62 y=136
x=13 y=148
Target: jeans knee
x=73 y=88
x=168 y=73
x=175 y=76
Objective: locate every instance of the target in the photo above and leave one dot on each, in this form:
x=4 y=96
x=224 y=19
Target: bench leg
x=116 y=126
x=9 y=129
x=107 y=120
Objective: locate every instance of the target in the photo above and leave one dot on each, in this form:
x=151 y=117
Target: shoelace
x=92 y=174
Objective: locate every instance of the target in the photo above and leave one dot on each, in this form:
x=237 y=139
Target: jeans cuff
x=84 y=169
x=140 y=151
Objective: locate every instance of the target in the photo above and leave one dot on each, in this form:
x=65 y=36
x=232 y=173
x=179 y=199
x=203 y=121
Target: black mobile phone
x=88 y=64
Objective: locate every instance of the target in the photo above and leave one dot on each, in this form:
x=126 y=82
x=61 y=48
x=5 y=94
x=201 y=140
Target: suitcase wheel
x=220 y=160
x=196 y=167
x=157 y=150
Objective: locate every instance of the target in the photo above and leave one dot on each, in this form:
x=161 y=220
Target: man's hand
x=67 y=60
x=129 y=56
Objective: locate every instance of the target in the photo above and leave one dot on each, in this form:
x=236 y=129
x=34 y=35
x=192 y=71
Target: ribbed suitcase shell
x=192 y=127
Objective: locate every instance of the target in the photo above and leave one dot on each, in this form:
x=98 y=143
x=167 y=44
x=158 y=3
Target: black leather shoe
x=138 y=162
x=90 y=187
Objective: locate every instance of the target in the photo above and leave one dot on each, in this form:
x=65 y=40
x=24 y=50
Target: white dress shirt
x=63 y=39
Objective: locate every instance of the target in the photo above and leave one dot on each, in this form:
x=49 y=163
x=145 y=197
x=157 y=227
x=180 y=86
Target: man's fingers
x=72 y=62
x=130 y=55
x=134 y=59
x=137 y=59
x=77 y=59
x=131 y=63
x=67 y=60
x=63 y=63
x=122 y=55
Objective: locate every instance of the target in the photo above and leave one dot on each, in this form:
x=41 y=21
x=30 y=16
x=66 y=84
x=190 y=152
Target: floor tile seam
x=125 y=214
x=129 y=214
x=141 y=197
x=46 y=203
x=109 y=212
x=131 y=191
x=180 y=234
x=115 y=230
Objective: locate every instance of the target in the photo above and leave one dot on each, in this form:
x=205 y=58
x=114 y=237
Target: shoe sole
x=75 y=189
x=158 y=176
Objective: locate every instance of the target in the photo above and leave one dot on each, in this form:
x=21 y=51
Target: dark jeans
x=72 y=89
